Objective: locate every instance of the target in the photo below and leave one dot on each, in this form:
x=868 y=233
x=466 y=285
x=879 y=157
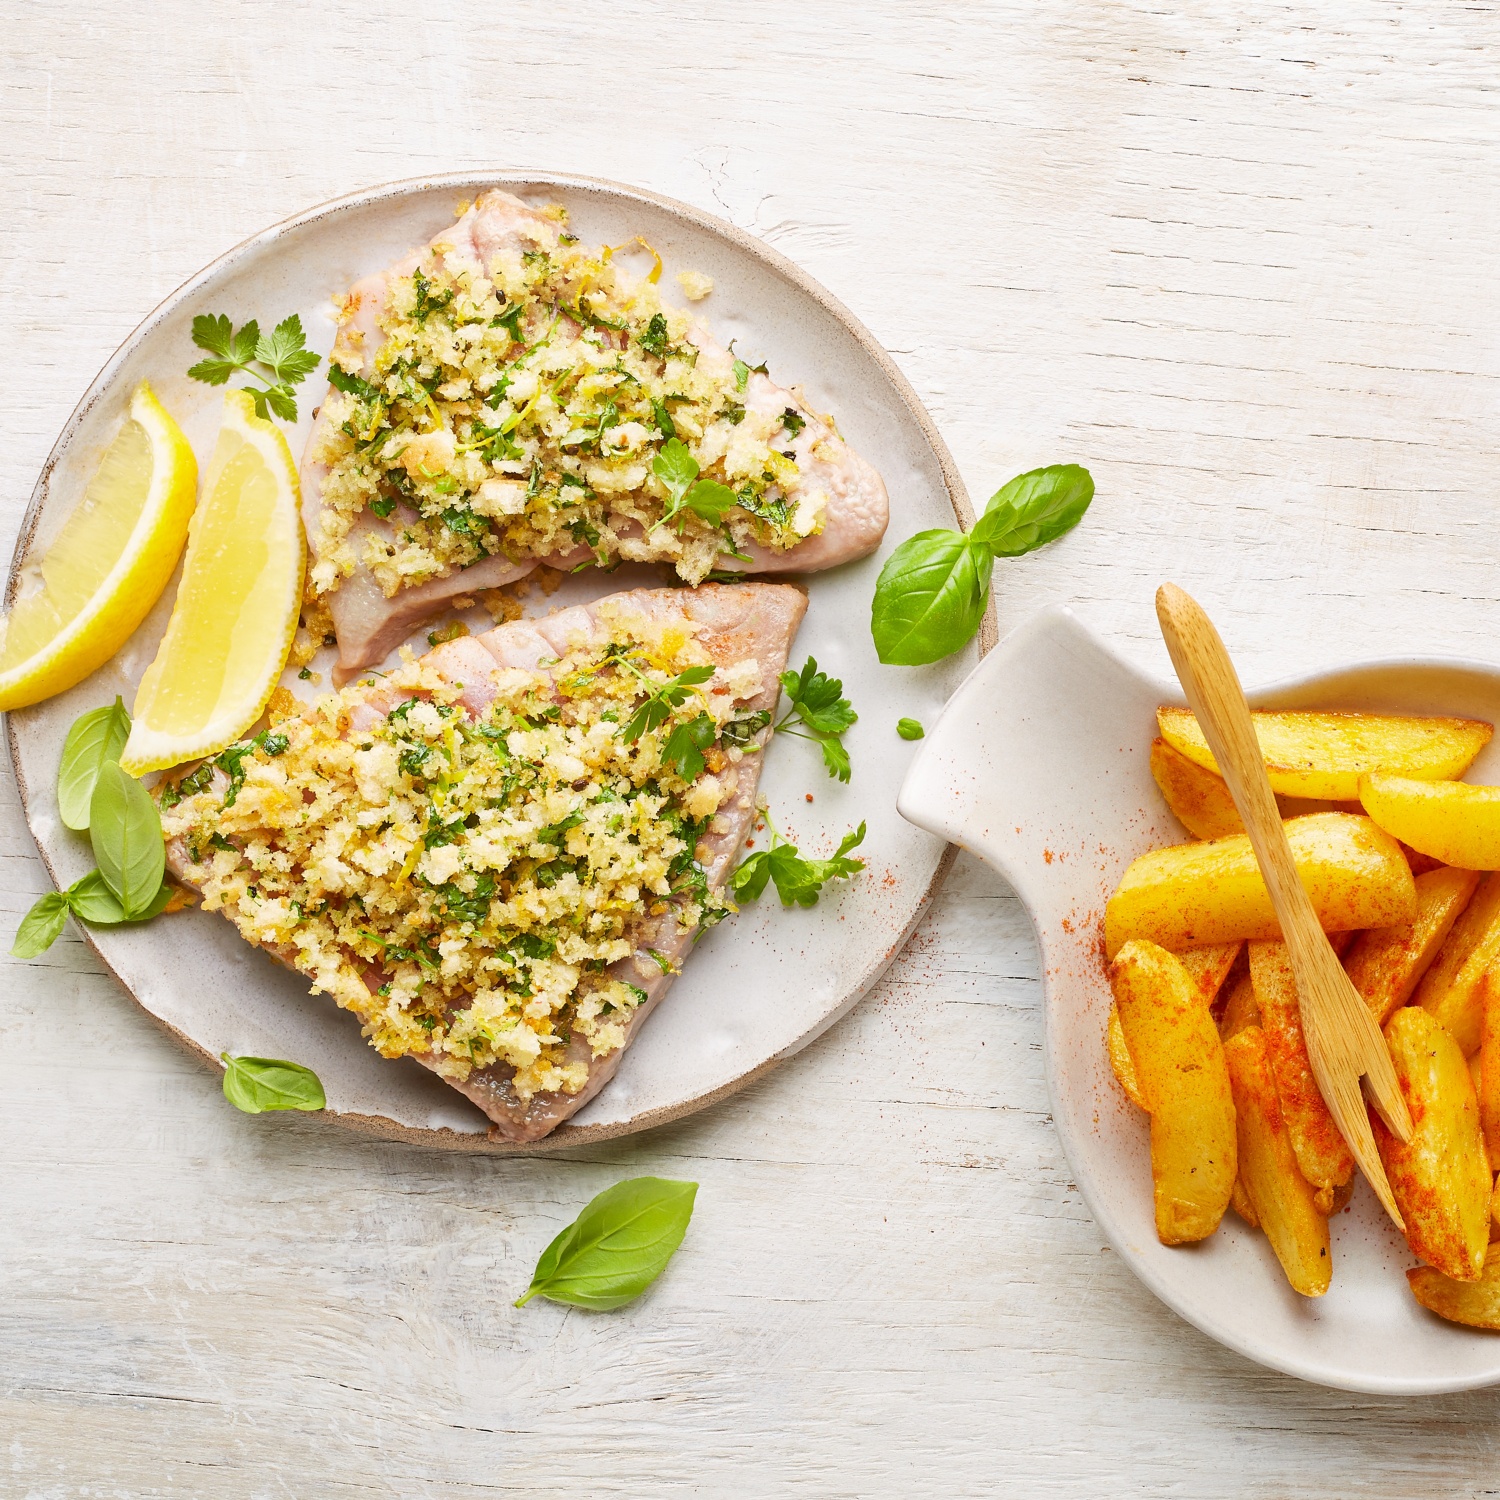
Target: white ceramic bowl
x=1039 y=765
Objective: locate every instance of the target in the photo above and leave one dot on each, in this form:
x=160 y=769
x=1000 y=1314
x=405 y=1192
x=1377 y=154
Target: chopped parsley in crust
x=518 y=408
x=469 y=874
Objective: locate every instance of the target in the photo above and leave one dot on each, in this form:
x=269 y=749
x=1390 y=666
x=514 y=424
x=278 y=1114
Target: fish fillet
x=733 y=624
x=369 y=624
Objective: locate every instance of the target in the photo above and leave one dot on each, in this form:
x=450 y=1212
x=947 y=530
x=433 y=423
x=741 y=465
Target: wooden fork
x=1343 y=1042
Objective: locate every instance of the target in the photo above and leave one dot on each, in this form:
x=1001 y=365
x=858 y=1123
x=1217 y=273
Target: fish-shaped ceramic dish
x=1039 y=765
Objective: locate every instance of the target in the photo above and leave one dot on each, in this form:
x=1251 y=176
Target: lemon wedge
x=81 y=601
x=237 y=604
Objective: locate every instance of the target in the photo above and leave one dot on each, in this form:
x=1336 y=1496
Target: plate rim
x=566 y=1135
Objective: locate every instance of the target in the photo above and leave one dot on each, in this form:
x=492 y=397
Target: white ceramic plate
x=1040 y=766
x=759 y=987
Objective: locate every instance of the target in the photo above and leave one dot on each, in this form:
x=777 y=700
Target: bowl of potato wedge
x=1175 y=1055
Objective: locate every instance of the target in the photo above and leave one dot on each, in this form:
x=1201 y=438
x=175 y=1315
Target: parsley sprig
x=661 y=697
x=684 y=749
x=678 y=471
x=798 y=881
x=238 y=352
x=819 y=712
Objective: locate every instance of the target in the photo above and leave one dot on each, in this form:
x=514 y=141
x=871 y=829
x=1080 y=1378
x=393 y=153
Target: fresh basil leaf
x=157 y=905
x=617 y=1246
x=1033 y=509
x=930 y=598
x=41 y=926
x=96 y=737
x=91 y=901
x=125 y=830
x=910 y=729
x=259 y=1084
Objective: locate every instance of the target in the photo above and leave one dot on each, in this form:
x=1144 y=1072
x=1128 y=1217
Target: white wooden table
x=1241 y=261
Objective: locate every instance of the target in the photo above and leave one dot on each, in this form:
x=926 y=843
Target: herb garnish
x=910 y=729
x=124 y=828
x=678 y=471
x=617 y=1246
x=684 y=749
x=818 y=705
x=284 y=354
x=351 y=385
x=932 y=591
x=798 y=881
x=426 y=301
x=654 y=339
x=661 y=698
x=231 y=760
x=743 y=729
x=98 y=736
x=258 y=1084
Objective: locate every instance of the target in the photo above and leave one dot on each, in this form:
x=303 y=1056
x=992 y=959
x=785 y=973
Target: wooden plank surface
x=1238 y=259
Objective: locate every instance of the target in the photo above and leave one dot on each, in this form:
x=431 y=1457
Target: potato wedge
x=1194 y=894
x=1487 y=1081
x=1323 y=755
x=1282 y=1198
x=1450 y=988
x=1476 y=1303
x=1239 y=1201
x=1322 y=1153
x=1450 y=821
x=1420 y=863
x=1119 y=1058
x=1199 y=799
x=1387 y=963
x=1240 y=1010
x=1209 y=967
x=1341 y=942
x=1206 y=967
x=1441 y=1176
x=1179 y=1063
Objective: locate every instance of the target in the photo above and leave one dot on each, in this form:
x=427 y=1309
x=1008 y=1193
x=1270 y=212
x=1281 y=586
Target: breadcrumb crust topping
x=463 y=882
x=518 y=408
